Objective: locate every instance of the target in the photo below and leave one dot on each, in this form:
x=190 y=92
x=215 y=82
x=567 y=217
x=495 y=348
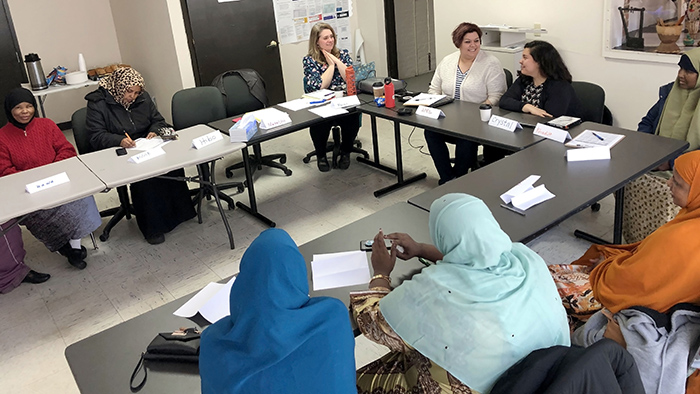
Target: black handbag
x=178 y=346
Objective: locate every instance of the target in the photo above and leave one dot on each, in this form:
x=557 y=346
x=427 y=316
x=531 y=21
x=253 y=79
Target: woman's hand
x=127 y=143
x=330 y=59
x=597 y=260
x=151 y=135
x=665 y=166
x=410 y=247
x=613 y=331
x=383 y=260
x=531 y=109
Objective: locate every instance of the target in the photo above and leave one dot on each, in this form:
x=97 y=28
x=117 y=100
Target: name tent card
x=552 y=133
x=504 y=123
x=432 y=113
x=207 y=139
x=47 y=183
x=345 y=102
x=271 y=117
x=147 y=155
x=585 y=154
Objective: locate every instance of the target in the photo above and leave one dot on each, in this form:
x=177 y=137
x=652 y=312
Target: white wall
x=58 y=32
x=576 y=29
x=147 y=41
x=370 y=21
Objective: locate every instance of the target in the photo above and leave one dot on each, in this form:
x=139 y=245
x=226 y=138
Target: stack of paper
x=146 y=144
x=328 y=111
x=212 y=302
x=296 y=105
x=332 y=270
x=524 y=196
x=424 y=99
x=322 y=94
x=594 y=139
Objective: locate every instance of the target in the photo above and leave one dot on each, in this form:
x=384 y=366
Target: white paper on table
x=552 y=133
x=296 y=105
x=520 y=188
x=146 y=144
x=532 y=197
x=328 y=111
x=345 y=102
x=585 y=154
x=424 y=99
x=332 y=270
x=212 y=302
x=320 y=94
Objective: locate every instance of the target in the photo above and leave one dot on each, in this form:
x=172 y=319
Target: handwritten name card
x=551 y=133
x=147 y=155
x=504 y=123
x=207 y=139
x=432 y=113
x=47 y=183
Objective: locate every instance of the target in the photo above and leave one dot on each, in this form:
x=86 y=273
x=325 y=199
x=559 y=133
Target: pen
x=513 y=209
x=597 y=136
x=127 y=136
x=318 y=102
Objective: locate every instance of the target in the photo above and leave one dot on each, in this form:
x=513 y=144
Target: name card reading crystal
x=274 y=119
x=147 y=155
x=432 y=113
x=504 y=123
x=552 y=133
x=47 y=183
x=207 y=139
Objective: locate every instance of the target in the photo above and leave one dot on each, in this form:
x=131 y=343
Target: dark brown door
x=233 y=35
x=11 y=65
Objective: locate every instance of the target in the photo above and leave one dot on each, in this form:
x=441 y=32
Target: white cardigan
x=485 y=80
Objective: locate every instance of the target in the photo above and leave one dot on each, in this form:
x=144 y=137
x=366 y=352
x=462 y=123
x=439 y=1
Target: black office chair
x=509 y=77
x=201 y=105
x=238 y=100
x=593 y=109
x=125 y=209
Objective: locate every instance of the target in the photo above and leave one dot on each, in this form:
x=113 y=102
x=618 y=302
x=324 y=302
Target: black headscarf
x=686 y=64
x=15 y=97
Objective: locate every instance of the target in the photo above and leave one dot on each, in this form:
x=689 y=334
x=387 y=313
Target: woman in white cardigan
x=468 y=75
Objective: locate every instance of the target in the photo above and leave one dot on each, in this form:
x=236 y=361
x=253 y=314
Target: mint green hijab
x=680 y=118
x=486 y=305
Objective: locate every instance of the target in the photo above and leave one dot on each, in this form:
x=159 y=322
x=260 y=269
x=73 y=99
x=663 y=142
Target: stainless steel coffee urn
x=37 y=79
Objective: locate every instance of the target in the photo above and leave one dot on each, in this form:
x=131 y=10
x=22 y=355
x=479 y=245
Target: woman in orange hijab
x=662 y=270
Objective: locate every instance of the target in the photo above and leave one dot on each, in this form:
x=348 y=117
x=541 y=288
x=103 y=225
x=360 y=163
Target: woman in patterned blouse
x=544 y=85
x=324 y=68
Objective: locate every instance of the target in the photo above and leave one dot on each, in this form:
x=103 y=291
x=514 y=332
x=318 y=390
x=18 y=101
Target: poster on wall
x=294 y=19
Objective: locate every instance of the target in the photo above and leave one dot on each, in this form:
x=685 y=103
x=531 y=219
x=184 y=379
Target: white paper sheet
x=212 y=302
x=342 y=269
x=146 y=144
x=532 y=197
x=328 y=111
x=296 y=105
x=424 y=99
x=520 y=188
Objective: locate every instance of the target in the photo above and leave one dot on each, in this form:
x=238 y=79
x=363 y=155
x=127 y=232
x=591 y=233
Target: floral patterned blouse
x=313 y=71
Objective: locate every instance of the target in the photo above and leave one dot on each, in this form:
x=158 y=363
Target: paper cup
x=485 y=114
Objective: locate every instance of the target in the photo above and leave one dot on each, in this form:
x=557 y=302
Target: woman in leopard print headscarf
x=121 y=110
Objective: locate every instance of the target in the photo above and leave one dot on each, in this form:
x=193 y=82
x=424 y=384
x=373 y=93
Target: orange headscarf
x=663 y=269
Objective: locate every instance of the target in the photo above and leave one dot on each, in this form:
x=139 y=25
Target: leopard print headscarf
x=121 y=80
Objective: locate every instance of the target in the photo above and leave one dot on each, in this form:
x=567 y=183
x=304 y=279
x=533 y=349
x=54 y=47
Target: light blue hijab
x=488 y=303
x=278 y=339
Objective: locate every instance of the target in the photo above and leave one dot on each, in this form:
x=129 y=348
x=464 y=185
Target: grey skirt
x=54 y=227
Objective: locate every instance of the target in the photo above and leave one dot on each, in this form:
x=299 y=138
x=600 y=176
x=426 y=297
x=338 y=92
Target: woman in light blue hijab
x=484 y=305
x=278 y=339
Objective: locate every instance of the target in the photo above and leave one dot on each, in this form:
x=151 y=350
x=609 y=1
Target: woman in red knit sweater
x=27 y=142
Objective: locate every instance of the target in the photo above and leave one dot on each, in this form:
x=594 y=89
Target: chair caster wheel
x=358 y=144
x=306 y=160
x=241 y=188
x=595 y=207
x=104 y=237
x=283 y=159
x=229 y=174
x=288 y=173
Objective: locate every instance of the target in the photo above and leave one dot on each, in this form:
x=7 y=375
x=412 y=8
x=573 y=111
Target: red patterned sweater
x=43 y=143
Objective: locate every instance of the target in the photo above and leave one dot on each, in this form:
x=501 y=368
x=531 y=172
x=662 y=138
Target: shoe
x=35 y=277
x=323 y=165
x=75 y=256
x=344 y=161
x=156 y=239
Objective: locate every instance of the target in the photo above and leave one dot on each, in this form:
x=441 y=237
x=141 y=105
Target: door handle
x=272 y=44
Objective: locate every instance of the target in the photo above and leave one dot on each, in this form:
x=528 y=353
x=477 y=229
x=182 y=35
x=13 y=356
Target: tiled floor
x=126 y=277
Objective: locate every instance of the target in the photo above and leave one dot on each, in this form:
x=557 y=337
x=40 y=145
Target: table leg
x=375 y=147
x=401 y=182
x=253 y=209
x=617 y=227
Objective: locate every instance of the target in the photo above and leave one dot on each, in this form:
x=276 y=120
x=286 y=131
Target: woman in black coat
x=119 y=112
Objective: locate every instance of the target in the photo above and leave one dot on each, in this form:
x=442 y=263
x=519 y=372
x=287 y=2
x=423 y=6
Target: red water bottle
x=389 y=93
x=350 y=80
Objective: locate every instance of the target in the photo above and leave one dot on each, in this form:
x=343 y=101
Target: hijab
x=278 y=339
x=488 y=303
x=680 y=118
x=120 y=81
x=663 y=269
x=14 y=98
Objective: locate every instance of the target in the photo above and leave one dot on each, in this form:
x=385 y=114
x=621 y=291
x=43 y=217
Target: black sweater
x=107 y=120
x=558 y=98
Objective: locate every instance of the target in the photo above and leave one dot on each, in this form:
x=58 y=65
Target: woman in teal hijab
x=278 y=339
x=485 y=304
